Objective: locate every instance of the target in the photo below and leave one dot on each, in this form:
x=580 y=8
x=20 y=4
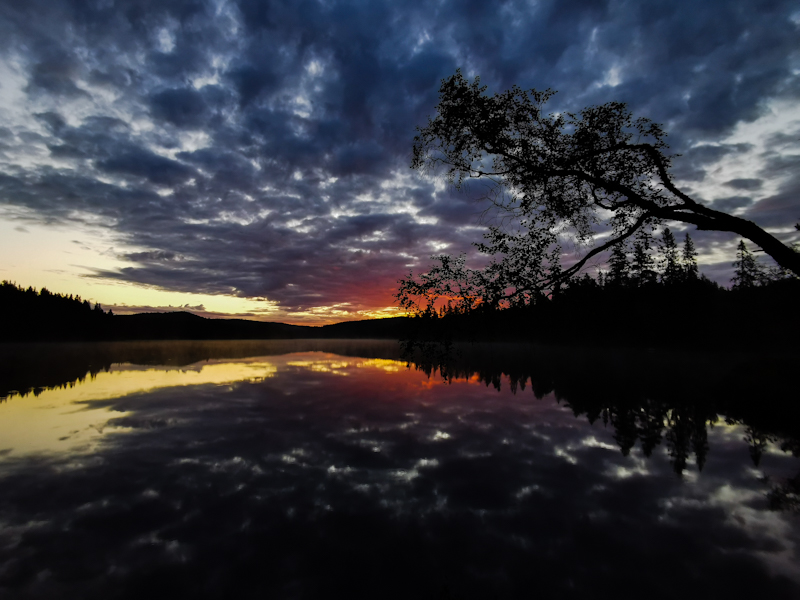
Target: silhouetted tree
x=757 y=441
x=619 y=268
x=672 y=273
x=689 y=260
x=776 y=273
x=563 y=173
x=643 y=263
x=786 y=494
x=45 y=315
x=747 y=272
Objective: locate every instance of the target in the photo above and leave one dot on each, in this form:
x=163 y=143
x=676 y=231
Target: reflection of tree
x=785 y=495
x=652 y=422
x=626 y=430
x=31 y=368
x=757 y=441
x=700 y=441
x=682 y=427
x=675 y=405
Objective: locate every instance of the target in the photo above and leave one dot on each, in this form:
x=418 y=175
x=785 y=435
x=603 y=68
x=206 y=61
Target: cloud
x=745 y=184
x=181 y=107
x=780 y=210
x=268 y=143
x=143 y=163
x=731 y=203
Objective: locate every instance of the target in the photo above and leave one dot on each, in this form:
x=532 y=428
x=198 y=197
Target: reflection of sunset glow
x=390 y=366
x=125 y=379
x=338 y=366
x=321 y=366
x=60 y=419
x=56 y=418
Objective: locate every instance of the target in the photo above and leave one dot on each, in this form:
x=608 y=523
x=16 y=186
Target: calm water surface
x=321 y=474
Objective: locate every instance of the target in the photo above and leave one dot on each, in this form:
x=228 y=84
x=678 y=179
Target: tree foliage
x=619 y=267
x=39 y=315
x=672 y=271
x=564 y=174
x=747 y=272
x=643 y=264
x=689 y=259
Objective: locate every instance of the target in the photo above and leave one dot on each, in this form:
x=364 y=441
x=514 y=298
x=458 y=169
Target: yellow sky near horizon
x=64 y=260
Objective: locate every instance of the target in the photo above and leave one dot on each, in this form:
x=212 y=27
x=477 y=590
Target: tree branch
x=567 y=273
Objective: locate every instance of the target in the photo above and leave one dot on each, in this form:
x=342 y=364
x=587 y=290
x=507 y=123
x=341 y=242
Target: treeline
x=29 y=314
x=648 y=261
x=652 y=294
x=33 y=316
x=37 y=316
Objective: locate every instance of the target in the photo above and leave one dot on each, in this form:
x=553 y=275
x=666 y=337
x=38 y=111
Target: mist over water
x=346 y=472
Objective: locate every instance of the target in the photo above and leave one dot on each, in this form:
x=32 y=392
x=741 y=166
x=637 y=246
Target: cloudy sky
x=252 y=157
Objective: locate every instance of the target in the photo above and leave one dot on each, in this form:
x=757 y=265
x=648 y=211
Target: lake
x=322 y=469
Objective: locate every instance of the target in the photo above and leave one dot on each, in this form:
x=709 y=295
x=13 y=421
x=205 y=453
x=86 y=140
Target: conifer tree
x=672 y=269
x=747 y=272
x=642 y=265
x=689 y=260
x=619 y=270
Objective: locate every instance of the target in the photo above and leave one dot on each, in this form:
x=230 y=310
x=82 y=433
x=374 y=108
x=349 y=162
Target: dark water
x=264 y=470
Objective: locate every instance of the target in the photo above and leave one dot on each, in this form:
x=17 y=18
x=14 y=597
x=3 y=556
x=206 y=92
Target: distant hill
x=187 y=326
x=392 y=328
x=37 y=316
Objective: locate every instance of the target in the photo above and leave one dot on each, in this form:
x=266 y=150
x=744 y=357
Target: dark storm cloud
x=268 y=143
x=141 y=163
x=731 y=203
x=181 y=107
x=745 y=184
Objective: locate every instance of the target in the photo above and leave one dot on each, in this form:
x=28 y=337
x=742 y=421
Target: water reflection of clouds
x=260 y=484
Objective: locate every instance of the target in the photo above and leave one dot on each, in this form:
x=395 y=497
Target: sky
x=251 y=158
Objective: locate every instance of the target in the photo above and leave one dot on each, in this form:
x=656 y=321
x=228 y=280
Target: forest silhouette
x=652 y=295
x=42 y=316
